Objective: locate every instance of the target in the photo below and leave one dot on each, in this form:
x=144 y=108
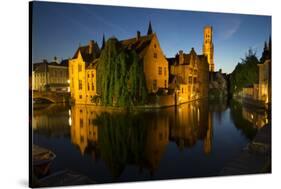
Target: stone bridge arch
x=51 y=96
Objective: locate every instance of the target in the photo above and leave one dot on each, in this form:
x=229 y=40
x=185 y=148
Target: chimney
x=91 y=46
x=138 y=35
x=181 y=59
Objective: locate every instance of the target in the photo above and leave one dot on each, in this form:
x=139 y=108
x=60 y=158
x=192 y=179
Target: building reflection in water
x=192 y=122
x=140 y=138
x=257 y=118
x=51 y=120
x=83 y=131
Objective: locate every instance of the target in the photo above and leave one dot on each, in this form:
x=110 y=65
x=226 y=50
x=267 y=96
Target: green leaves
x=120 y=77
x=244 y=73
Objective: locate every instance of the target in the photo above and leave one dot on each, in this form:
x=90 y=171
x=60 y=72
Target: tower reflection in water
x=140 y=138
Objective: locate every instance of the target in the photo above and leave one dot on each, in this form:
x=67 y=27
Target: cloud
x=232 y=29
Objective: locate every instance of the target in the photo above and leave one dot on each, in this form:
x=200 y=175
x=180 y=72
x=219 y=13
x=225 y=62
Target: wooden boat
x=65 y=178
x=41 y=160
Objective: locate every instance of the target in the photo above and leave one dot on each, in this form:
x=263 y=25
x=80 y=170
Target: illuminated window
x=160 y=70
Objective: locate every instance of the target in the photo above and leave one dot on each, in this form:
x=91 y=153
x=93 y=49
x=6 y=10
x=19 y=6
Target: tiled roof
x=84 y=50
x=140 y=44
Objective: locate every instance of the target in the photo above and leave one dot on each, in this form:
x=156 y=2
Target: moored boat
x=41 y=160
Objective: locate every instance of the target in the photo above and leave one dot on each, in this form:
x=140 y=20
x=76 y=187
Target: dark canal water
x=193 y=140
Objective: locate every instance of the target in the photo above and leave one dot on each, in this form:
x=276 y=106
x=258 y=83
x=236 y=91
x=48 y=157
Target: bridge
x=53 y=97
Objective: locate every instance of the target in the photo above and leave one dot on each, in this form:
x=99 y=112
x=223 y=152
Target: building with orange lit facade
x=187 y=74
x=155 y=64
x=82 y=67
x=82 y=73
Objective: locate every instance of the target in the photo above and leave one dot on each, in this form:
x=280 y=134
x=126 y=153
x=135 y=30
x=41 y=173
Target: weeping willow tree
x=120 y=77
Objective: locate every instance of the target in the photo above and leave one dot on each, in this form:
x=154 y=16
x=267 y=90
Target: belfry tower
x=208 y=47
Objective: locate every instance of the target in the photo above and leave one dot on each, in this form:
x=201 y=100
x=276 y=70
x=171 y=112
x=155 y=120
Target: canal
x=196 y=139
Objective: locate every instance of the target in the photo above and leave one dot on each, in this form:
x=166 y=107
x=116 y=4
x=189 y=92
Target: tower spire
x=265 y=46
x=103 y=42
x=149 y=31
x=208 y=47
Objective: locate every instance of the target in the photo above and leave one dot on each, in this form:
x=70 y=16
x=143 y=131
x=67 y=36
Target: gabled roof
x=186 y=58
x=85 y=52
x=140 y=44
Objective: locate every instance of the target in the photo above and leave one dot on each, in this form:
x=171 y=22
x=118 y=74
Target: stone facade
x=155 y=64
x=189 y=76
x=82 y=73
x=208 y=47
x=82 y=67
x=50 y=77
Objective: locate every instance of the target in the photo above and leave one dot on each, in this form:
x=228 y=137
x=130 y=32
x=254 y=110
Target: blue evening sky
x=59 y=28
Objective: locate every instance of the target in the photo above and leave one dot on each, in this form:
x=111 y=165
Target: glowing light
x=69 y=121
x=68 y=81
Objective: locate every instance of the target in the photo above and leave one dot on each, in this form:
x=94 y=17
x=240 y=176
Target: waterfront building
x=189 y=76
x=260 y=93
x=82 y=73
x=155 y=64
x=50 y=76
x=208 y=47
x=82 y=67
x=264 y=84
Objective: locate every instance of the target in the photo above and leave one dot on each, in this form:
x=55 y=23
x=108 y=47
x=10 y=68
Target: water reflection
x=248 y=119
x=141 y=138
x=50 y=120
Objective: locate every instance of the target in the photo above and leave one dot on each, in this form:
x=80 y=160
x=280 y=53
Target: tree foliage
x=120 y=76
x=246 y=72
